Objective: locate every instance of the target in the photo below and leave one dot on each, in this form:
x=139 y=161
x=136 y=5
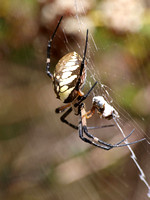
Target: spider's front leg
x=82 y=65
x=49 y=51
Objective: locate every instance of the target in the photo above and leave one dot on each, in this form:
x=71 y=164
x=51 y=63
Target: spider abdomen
x=66 y=75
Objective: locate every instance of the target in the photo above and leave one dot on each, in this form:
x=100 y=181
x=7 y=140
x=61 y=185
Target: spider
x=68 y=79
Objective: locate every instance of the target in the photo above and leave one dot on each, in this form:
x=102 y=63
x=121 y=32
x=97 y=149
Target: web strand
x=134 y=158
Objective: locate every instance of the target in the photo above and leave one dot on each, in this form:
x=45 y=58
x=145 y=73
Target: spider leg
x=85 y=96
x=49 y=50
x=95 y=138
x=126 y=144
x=89 y=114
x=84 y=55
x=112 y=145
x=63 y=118
x=62 y=108
x=83 y=129
x=82 y=63
x=97 y=127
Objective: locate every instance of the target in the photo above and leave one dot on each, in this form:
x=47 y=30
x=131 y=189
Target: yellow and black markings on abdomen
x=66 y=75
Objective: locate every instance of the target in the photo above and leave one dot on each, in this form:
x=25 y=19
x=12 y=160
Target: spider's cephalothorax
x=66 y=77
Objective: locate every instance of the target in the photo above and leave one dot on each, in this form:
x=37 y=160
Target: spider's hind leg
x=62 y=108
x=63 y=119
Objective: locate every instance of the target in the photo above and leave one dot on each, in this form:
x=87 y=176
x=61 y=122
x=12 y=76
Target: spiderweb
x=103 y=89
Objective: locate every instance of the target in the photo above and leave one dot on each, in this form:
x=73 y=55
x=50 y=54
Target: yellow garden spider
x=68 y=79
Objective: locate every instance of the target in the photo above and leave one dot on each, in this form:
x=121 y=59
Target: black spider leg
x=102 y=144
x=97 y=127
x=110 y=146
x=82 y=63
x=85 y=96
x=63 y=119
x=49 y=50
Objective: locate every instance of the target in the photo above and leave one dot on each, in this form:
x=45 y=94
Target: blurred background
x=42 y=158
